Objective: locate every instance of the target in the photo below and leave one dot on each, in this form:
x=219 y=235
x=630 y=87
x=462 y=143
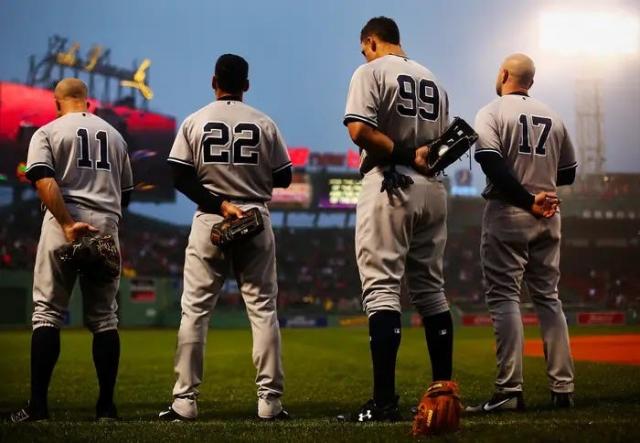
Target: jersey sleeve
x=486 y=125
x=363 y=99
x=279 y=153
x=182 y=151
x=126 y=181
x=40 y=157
x=567 y=158
x=444 y=111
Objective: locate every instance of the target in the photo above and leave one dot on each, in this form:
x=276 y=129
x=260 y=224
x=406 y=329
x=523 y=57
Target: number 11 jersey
x=88 y=159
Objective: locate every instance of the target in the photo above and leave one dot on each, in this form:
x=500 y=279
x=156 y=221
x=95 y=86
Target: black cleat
x=106 y=414
x=562 y=400
x=28 y=414
x=372 y=412
x=501 y=401
x=281 y=416
x=171 y=415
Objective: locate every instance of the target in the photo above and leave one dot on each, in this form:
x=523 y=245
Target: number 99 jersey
x=234 y=148
x=530 y=137
x=399 y=97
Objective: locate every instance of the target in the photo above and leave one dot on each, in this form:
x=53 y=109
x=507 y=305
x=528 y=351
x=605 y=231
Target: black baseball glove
x=454 y=142
x=229 y=231
x=95 y=256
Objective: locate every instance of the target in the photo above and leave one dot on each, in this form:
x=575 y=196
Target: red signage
x=299 y=156
x=485 y=319
x=601 y=318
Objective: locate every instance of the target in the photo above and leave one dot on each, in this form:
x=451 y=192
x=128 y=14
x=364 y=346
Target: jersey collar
x=518 y=93
x=235 y=98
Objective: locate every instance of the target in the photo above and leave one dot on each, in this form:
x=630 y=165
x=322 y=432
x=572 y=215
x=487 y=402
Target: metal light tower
x=590 y=39
x=590 y=126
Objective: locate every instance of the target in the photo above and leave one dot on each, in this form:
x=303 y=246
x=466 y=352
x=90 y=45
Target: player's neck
x=508 y=89
x=392 y=50
x=224 y=95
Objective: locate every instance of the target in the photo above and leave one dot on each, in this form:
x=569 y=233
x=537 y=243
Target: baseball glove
x=439 y=410
x=95 y=256
x=232 y=230
x=454 y=142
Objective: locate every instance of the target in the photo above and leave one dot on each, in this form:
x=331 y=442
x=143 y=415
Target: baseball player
x=80 y=168
x=394 y=106
x=525 y=151
x=227 y=157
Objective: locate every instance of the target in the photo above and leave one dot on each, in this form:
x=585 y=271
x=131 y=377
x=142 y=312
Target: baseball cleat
x=27 y=414
x=562 y=400
x=171 y=415
x=372 y=412
x=106 y=414
x=281 y=416
x=500 y=401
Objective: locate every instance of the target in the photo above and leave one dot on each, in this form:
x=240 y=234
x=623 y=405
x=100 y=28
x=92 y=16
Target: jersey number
x=217 y=149
x=546 y=124
x=423 y=100
x=84 y=157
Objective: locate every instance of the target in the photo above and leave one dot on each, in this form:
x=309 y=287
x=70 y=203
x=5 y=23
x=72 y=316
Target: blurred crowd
x=317 y=268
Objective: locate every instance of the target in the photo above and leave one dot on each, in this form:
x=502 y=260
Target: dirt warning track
x=619 y=349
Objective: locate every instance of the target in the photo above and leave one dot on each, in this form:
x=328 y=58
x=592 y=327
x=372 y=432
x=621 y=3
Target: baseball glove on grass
x=439 y=410
x=229 y=231
x=95 y=256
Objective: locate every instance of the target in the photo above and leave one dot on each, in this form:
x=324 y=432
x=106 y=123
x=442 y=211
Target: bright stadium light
x=589 y=33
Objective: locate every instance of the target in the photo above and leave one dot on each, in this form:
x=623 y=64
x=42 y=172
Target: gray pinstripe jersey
x=88 y=157
x=531 y=138
x=234 y=148
x=401 y=98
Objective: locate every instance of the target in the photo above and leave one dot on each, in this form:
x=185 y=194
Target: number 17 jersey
x=234 y=148
x=530 y=137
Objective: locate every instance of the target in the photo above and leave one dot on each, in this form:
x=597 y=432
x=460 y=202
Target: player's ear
x=505 y=75
x=245 y=88
x=214 y=83
x=374 y=44
x=530 y=84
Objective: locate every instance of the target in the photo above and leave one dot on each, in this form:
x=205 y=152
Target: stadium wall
x=155 y=302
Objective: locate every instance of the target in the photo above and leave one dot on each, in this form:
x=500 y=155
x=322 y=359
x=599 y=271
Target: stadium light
x=589 y=33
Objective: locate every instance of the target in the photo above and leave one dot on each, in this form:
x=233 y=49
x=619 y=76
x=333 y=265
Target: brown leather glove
x=439 y=410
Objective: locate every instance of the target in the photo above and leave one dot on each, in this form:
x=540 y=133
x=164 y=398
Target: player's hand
x=75 y=230
x=420 y=163
x=545 y=204
x=229 y=210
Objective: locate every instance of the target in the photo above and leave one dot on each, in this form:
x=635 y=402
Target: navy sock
x=45 y=349
x=384 y=341
x=438 y=330
x=106 y=356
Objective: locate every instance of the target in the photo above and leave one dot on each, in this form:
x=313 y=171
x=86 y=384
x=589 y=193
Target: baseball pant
x=401 y=234
x=206 y=267
x=515 y=246
x=53 y=282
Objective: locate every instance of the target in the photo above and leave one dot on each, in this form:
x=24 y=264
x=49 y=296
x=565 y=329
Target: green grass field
x=328 y=372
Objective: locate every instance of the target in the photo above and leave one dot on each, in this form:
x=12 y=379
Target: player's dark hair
x=232 y=73
x=382 y=27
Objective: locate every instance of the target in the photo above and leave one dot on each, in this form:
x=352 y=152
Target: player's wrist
x=403 y=156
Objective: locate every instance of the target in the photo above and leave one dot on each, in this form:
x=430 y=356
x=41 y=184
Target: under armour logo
x=396 y=331
x=367 y=414
x=442 y=332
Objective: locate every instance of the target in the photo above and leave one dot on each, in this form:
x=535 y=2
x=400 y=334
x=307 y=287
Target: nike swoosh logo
x=487 y=407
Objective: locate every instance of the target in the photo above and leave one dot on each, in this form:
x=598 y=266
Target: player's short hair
x=232 y=73
x=382 y=27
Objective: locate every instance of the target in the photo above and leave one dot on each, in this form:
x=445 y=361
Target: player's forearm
x=376 y=143
x=50 y=194
x=186 y=181
x=496 y=170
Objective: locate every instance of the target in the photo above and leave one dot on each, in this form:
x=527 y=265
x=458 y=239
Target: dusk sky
x=302 y=55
